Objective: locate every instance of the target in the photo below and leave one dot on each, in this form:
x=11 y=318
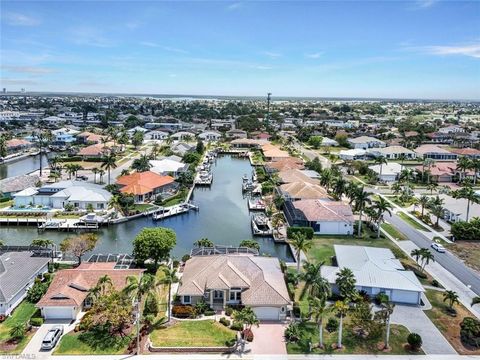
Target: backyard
x=202 y=333
x=21 y=315
x=448 y=325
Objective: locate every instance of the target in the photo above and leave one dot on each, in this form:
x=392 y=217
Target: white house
x=183 y=135
x=393 y=152
x=168 y=167
x=329 y=142
x=18 y=271
x=365 y=142
x=80 y=194
x=156 y=135
x=389 y=171
x=352 y=154
x=210 y=136
x=376 y=270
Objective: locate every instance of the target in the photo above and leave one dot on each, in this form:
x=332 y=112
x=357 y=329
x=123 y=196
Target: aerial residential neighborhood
x=239 y=180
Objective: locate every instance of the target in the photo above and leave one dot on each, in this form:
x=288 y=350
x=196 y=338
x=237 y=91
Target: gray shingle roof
x=16 y=270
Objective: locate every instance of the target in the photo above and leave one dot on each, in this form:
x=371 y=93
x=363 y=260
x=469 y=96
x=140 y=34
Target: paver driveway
x=268 y=339
x=33 y=348
x=418 y=322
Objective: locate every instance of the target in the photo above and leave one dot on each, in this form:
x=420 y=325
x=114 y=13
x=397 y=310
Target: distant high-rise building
x=4 y=90
x=23 y=90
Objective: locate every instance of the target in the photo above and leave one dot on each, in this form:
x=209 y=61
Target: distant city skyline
x=392 y=49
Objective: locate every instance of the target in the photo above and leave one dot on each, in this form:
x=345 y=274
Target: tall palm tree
x=300 y=243
x=402 y=157
x=345 y=282
x=387 y=311
x=426 y=257
x=361 y=198
x=423 y=201
x=326 y=178
x=315 y=285
x=475 y=166
x=318 y=310
x=339 y=186
x=380 y=161
x=137 y=288
x=381 y=206
x=463 y=164
x=432 y=186
x=468 y=194
x=341 y=308
x=101 y=173
x=417 y=254
x=109 y=162
x=169 y=279
x=427 y=163
x=451 y=297
x=95 y=172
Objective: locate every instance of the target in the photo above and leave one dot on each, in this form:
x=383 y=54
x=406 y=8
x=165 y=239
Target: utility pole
x=268 y=108
x=137 y=318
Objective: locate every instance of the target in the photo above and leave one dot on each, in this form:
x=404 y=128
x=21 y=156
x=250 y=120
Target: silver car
x=438 y=247
x=52 y=337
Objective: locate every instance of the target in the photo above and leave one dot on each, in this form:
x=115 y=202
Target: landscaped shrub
x=415 y=341
x=236 y=326
x=209 y=312
x=381 y=298
x=292 y=332
x=307 y=231
x=230 y=343
x=247 y=334
x=36 y=292
x=182 y=311
x=185 y=258
x=224 y=321
x=332 y=325
x=36 y=321
x=470 y=331
x=228 y=311
x=435 y=283
x=176 y=263
x=466 y=230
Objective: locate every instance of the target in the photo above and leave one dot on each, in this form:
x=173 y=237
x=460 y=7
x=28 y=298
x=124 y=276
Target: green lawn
x=162 y=292
x=22 y=314
x=193 y=333
x=91 y=343
x=352 y=344
x=142 y=207
x=393 y=231
x=412 y=222
x=177 y=199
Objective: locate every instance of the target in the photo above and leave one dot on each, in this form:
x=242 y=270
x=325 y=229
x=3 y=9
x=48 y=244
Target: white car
x=52 y=337
x=438 y=247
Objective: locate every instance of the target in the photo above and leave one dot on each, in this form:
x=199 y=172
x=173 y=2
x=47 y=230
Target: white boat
x=256 y=204
x=261 y=225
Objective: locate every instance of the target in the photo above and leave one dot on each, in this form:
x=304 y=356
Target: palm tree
x=423 y=201
x=109 y=162
x=277 y=220
x=451 y=297
x=417 y=254
x=326 y=178
x=315 y=285
x=468 y=194
x=18 y=330
x=169 y=279
x=396 y=188
x=300 y=243
x=380 y=161
x=463 y=164
x=361 y=198
x=141 y=164
x=318 y=309
x=155 y=151
x=95 y=172
x=381 y=206
x=437 y=211
x=475 y=166
x=341 y=309
x=339 y=186
x=101 y=173
x=246 y=316
x=387 y=312
x=104 y=284
x=345 y=282
x=432 y=187
x=137 y=287
x=426 y=256
x=428 y=164
x=402 y=157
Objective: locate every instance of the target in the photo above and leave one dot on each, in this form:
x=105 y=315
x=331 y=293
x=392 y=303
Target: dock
x=204 y=178
x=68 y=225
x=166 y=212
x=261 y=225
x=256 y=205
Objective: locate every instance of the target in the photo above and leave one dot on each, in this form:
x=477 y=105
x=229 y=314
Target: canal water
x=223 y=217
x=23 y=166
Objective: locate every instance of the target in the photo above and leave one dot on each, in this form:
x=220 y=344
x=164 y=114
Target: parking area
x=268 y=339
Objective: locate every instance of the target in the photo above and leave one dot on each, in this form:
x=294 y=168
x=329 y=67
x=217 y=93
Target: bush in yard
x=182 y=311
x=224 y=321
x=230 y=343
x=209 y=312
x=175 y=264
x=435 y=283
x=463 y=230
x=332 y=325
x=247 y=334
x=415 y=341
x=228 y=311
x=236 y=326
x=36 y=321
x=185 y=258
x=36 y=292
x=292 y=332
x=151 y=305
x=307 y=231
x=470 y=331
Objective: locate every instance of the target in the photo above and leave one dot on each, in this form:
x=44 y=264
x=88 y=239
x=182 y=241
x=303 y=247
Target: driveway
x=33 y=347
x=268 y=339
x=416 y=321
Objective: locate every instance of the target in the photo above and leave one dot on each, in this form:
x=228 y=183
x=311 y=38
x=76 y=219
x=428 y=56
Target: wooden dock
x=166 y=212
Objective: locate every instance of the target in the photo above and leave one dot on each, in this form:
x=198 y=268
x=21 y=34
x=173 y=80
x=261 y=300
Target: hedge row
x=307 y=231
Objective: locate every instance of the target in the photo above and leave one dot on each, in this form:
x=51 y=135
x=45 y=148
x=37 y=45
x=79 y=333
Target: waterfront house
x=147 y=185
x=352 y=154
x=210 y=136
x=273 y=152
x=94 y=151
x=168 y=167
x=392 y=152
x=468 y=152
x=294 y=175
x=64 y=136
x=389 y=172
x=68 y=294
x=15 y=184
x=80 y=194
x=428 y=151
x=182 y=148
x=249 y=280
x=376 y=271
x=18 y=145
x=244 y=143
x=323 y=216
x=285 y=164
x=18 y=271
x=301 y=190
x=365 y=142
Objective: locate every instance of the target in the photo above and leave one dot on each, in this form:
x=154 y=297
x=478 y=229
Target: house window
x=187 y=299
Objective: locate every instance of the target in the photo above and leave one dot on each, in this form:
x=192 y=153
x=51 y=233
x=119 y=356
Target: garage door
x=57 y=312
x=407 y=297
x=267 y=313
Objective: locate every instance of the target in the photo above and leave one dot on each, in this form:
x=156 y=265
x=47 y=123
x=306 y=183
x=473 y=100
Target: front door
x=218 y=295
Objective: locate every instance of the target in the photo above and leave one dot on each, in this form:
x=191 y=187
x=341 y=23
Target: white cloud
x=315 y=55
x=472 y=50
x=263 y=67
x=29 y=69
x=272 y=54
x=17 y=19
x=425 y=4
x=234 y=6
x=173 y=49
x=90 y=36
x=149 y=44
x=132 y=25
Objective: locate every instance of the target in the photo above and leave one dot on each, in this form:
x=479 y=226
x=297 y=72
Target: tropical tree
x=380 y=161
x=451 y=297
x=109 y=162
x=79 y=245
x=103 y=286
x=345 y=282
x=300 y=243
x=277 y=220
x=204 y=242
x=468 y=194
x=381 y=206
x=170 y=277
x=396 y=188
x=141 y=164
x=417 y=254
x=423 y=201
x=463 y=164
x=137 y=288
x=360 y=199
x=246 y=317
x=425 y=257
x=475 y=166
x=95 y=172
x=18 y=330
x=386 y=313
x=251 y=244
x=153 y=243
x=101 y=174
x=318 y=310
x=432 y=186
x=341 y=309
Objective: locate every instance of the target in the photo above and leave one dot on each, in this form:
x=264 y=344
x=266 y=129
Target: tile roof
x=17 y=142
x=286 y=164
x=466 y=151
x=295 y=175
x=322 y=210
x=261 y=277
x=304 y=190
x=428 y=148
x=17 y=183
x=92 y=150
x=141 y=183
x=272 y=151
x=70 y=287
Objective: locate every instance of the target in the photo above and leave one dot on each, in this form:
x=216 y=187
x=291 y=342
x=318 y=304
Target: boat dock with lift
x=261 y=225
x=166 y=212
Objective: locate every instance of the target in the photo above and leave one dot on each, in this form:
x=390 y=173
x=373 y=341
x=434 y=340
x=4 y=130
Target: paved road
x=447 y=260
x=310 y=154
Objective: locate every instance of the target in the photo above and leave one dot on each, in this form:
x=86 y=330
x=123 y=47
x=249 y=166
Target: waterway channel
x=22 y=166
x=224 y=218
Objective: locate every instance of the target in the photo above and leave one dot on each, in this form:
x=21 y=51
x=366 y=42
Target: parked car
x=52 y=337
x=82 y=177
x=438 y=247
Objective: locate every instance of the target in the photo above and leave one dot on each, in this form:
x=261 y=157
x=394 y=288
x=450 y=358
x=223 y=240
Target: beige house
x=245 y=279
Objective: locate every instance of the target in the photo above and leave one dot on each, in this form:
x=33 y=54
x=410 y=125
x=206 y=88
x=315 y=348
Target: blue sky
x=403 y=49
